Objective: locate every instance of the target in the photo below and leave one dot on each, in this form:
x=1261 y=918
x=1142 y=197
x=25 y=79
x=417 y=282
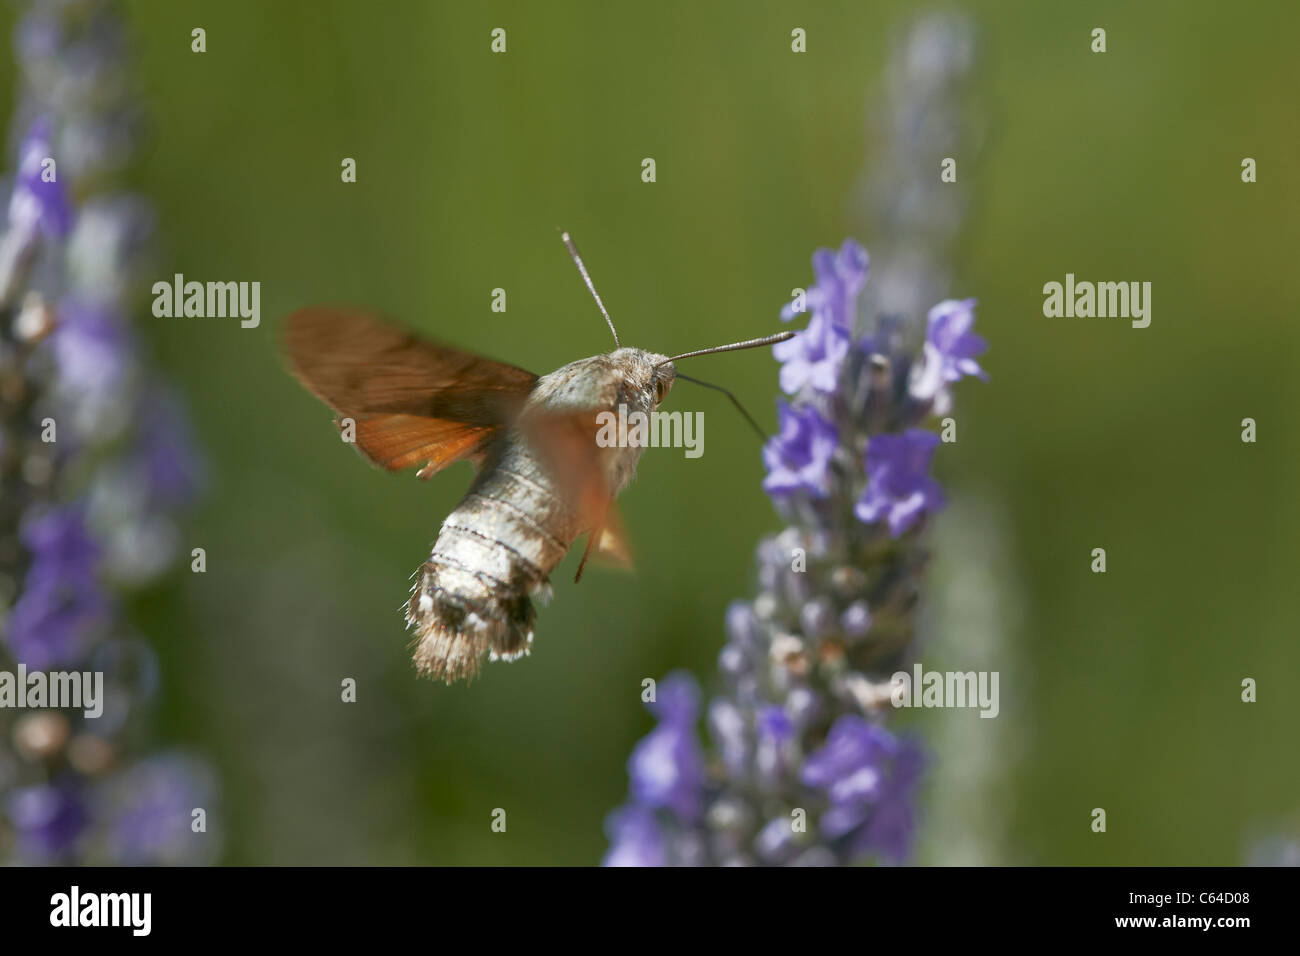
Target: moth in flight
x=542 y=479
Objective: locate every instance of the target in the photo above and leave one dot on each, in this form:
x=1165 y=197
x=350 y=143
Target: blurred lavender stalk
x=928 y=110
x=91 y=515
x=925 y=113
x=800 y=769
x=974 y=622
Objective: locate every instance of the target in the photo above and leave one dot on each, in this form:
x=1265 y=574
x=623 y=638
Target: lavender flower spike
x=84 y=519
x=800 y=769
x=805 y=773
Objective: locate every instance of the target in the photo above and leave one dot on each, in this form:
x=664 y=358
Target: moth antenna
x=758 y=429
x=733 y=347
x=591 y=286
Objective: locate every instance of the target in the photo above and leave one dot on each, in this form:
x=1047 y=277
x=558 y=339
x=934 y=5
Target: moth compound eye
x=660 y=390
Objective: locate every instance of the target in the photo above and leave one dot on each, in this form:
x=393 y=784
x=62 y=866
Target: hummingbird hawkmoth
x=542 y=478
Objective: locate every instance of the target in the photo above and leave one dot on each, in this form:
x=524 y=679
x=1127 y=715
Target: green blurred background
x=1119 y=690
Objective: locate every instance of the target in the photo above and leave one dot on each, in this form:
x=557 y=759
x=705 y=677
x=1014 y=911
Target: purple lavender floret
x=839 y=277
x=667 y=772
x=799 y=457
x=666 y=768
x=48 y=820
x=149 y=810
x=37 y=202
x=950 y=351
x=813 y=357
x=169 y=457
x=900 y=489
x=93 y=353
x=61 y=607
x=869 y=776
x=774 y=752
x=635 y=838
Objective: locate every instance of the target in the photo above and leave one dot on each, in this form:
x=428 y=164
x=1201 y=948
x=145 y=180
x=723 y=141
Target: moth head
x=647 y=377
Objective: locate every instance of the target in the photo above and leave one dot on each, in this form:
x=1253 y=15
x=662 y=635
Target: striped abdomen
x=499 y=545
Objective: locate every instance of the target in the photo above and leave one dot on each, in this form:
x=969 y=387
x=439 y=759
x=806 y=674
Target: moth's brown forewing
x=413 y=402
